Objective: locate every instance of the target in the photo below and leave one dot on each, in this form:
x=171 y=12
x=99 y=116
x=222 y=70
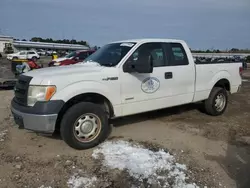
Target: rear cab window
x=176 y=54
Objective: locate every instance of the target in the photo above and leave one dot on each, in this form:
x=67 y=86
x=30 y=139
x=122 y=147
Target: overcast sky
x=202 y=23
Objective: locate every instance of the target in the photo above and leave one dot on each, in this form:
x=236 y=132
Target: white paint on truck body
x=129 y=94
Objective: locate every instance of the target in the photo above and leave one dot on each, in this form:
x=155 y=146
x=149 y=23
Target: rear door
x=30 y=55
x=183 y=73
x=22 y=55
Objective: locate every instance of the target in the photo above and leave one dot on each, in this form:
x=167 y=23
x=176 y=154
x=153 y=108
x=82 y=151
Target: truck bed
x=215 y=70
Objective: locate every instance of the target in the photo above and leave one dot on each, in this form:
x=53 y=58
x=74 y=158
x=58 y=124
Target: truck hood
x=64 y=70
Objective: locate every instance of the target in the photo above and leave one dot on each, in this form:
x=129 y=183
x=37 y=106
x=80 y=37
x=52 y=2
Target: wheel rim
x=220 y=102
x=87 y=127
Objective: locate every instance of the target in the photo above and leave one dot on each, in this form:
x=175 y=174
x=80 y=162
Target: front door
x=166 y=86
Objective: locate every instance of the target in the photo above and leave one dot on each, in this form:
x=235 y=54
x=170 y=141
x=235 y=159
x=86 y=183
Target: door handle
x=168 y=75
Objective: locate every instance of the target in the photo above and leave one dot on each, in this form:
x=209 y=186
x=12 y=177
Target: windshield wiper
x=109 y=65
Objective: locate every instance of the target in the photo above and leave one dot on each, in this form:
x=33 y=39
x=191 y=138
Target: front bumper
x=41 y=117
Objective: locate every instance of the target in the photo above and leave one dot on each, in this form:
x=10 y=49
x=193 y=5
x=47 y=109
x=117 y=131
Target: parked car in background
x=72 y=58
x=29 y=54
x=41 y=52
x=50 y=52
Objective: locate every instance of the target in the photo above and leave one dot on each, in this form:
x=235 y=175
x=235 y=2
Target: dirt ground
x=216 y=150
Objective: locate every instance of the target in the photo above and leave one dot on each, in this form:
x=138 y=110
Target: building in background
x=27 y=45
x=5 y=40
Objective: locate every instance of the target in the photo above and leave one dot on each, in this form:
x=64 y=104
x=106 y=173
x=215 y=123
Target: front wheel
x=84 y=126
x=217 y=102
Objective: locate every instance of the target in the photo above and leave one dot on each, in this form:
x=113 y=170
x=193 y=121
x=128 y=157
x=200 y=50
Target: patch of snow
x=157 y=167
x=77 y=181
x=2 y=135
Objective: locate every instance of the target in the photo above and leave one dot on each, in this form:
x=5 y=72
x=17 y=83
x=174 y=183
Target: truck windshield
x=110 y=54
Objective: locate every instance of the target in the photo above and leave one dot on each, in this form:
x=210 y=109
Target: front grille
x=21 y=89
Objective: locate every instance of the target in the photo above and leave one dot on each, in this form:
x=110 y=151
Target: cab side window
x=177 y=54
x=150 y=50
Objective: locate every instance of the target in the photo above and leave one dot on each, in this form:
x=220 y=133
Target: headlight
x=40 y=93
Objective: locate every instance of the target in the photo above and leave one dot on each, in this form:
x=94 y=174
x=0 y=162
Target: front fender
x=82 y=87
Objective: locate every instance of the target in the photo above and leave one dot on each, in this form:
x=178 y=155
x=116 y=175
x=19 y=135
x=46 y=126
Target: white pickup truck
x=120 y=79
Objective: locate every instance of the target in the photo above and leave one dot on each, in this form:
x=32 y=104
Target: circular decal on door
x=150 y=85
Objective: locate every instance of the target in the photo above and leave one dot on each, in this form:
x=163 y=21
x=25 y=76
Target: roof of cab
x=150 y=40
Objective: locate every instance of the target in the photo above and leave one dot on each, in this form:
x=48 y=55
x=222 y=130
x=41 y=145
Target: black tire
x=34 y=58
x=210 y=103
x=14 y=58
x=67 y=128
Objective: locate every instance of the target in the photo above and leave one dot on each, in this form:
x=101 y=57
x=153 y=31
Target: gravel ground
x=210 y=151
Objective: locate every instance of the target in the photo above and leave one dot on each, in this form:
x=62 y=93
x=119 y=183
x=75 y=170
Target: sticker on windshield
x=150 y=85
x=127 y=44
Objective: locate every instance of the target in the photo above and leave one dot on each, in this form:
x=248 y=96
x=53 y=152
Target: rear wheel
x=84 y=126
x=14 y=58
x=34 y=58
x=216 y=104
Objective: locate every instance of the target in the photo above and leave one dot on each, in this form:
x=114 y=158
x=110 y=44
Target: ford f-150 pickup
x=120 y=79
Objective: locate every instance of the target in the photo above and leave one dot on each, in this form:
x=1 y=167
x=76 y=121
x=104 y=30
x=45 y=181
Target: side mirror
x=144 y=65
x=77 y=58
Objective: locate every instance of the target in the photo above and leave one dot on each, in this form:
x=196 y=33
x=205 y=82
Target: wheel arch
x=221 y=79
x=86 y=97
x=223 y=83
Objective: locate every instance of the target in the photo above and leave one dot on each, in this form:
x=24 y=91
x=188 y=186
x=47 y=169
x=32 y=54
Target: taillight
x=241 y=71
